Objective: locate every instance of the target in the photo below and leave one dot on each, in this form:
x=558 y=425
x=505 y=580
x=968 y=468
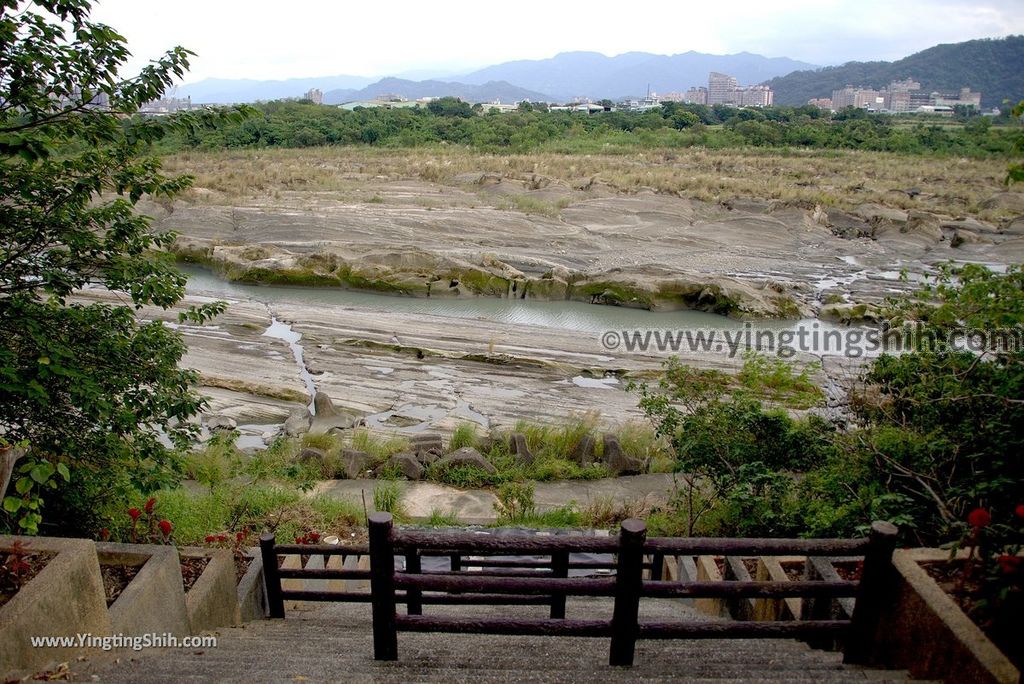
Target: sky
x=263 y=39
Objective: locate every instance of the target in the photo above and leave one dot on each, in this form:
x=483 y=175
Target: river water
x=565 y=315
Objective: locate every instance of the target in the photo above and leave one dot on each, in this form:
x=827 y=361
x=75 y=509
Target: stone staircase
x=333 y=642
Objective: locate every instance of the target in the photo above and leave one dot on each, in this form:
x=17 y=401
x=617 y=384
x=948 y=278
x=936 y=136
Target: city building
x=754 y=96
x=724 y=89
x=966 y=98
x=821 y=102
x=861 y=98
x=698 y=95
x=315 y=96
x=901 y=97
x=166 y=105
x=721 y=88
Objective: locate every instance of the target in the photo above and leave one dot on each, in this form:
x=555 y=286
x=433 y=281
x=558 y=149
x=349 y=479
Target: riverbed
x=410 y=365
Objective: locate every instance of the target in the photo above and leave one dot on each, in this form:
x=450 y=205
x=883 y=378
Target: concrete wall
x=65 y=599
x=154 y=601
x=927 y=633
x=213 y=600
x=252 y=594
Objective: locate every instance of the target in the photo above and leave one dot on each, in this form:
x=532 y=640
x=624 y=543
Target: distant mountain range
x=226 y=90
x=991 y=66
x=413 y=90
x=558 y=79
x=591 y=74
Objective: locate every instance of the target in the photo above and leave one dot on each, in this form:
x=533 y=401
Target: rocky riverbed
x=480 y=236
x=466 y=238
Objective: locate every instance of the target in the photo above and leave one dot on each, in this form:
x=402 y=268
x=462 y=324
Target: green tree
x=88 y=387
x=1016 y=170
x=451 y=106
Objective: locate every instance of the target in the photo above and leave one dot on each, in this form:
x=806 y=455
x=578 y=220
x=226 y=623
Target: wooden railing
x=499 y=579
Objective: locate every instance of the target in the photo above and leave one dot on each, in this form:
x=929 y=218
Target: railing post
x=271 y=576
x=456 y=561
x=877 y=583
x=559 y=568
x=628 y=585
x=382 y=587
x=413 y=597
x=657 y=565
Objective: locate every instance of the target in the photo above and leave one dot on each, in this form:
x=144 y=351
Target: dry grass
x=842 y=179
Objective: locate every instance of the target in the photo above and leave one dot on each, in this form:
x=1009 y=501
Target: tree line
x=535 y=127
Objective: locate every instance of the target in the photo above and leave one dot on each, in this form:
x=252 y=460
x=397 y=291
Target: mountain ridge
x=988 y=65
x=592 y=74
x=413 y=90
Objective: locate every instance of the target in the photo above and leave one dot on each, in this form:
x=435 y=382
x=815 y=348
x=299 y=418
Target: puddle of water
x=464 y=410
x=597 y=383
x=250 y=442
x=420 y=416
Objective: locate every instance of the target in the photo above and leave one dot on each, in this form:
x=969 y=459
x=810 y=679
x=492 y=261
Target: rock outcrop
x=618 y=462
x=466 y=456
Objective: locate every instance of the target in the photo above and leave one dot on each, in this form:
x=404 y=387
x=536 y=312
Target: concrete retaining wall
x=213 y=600
x=252 y=594
x=65 y=599
x=928 y=634
x=154 y=601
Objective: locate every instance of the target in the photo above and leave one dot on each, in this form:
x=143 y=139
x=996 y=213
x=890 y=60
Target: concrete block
x=252 y=593
x=212 y=601
x=707 y=571
x=154 y=601
x=769 y=568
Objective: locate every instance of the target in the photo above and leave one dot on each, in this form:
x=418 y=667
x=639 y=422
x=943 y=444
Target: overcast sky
x=264 y=39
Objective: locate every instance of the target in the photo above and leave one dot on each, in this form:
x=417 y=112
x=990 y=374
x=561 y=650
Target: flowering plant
x=235 y=542
x=991 y=586
x=308 y=538
x=152 y=529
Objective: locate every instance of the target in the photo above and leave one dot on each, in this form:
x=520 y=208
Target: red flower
x=239 y=537
x=1019 y=510
x=1010 y=564
x=979 y=517
x=222 y=537
x=313 y=537
x=149 y=505
x=299 y=540
x=104 y=534
x=166 y=527
x=210 y=538
x=134 y=513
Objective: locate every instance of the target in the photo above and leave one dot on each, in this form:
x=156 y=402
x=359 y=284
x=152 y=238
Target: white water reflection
x=283 y=331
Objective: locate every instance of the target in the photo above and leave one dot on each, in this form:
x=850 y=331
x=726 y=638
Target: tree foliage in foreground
x=937 y=430
x=87 y=387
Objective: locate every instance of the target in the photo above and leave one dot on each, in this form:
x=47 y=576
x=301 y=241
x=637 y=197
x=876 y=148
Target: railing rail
x=481 y=574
